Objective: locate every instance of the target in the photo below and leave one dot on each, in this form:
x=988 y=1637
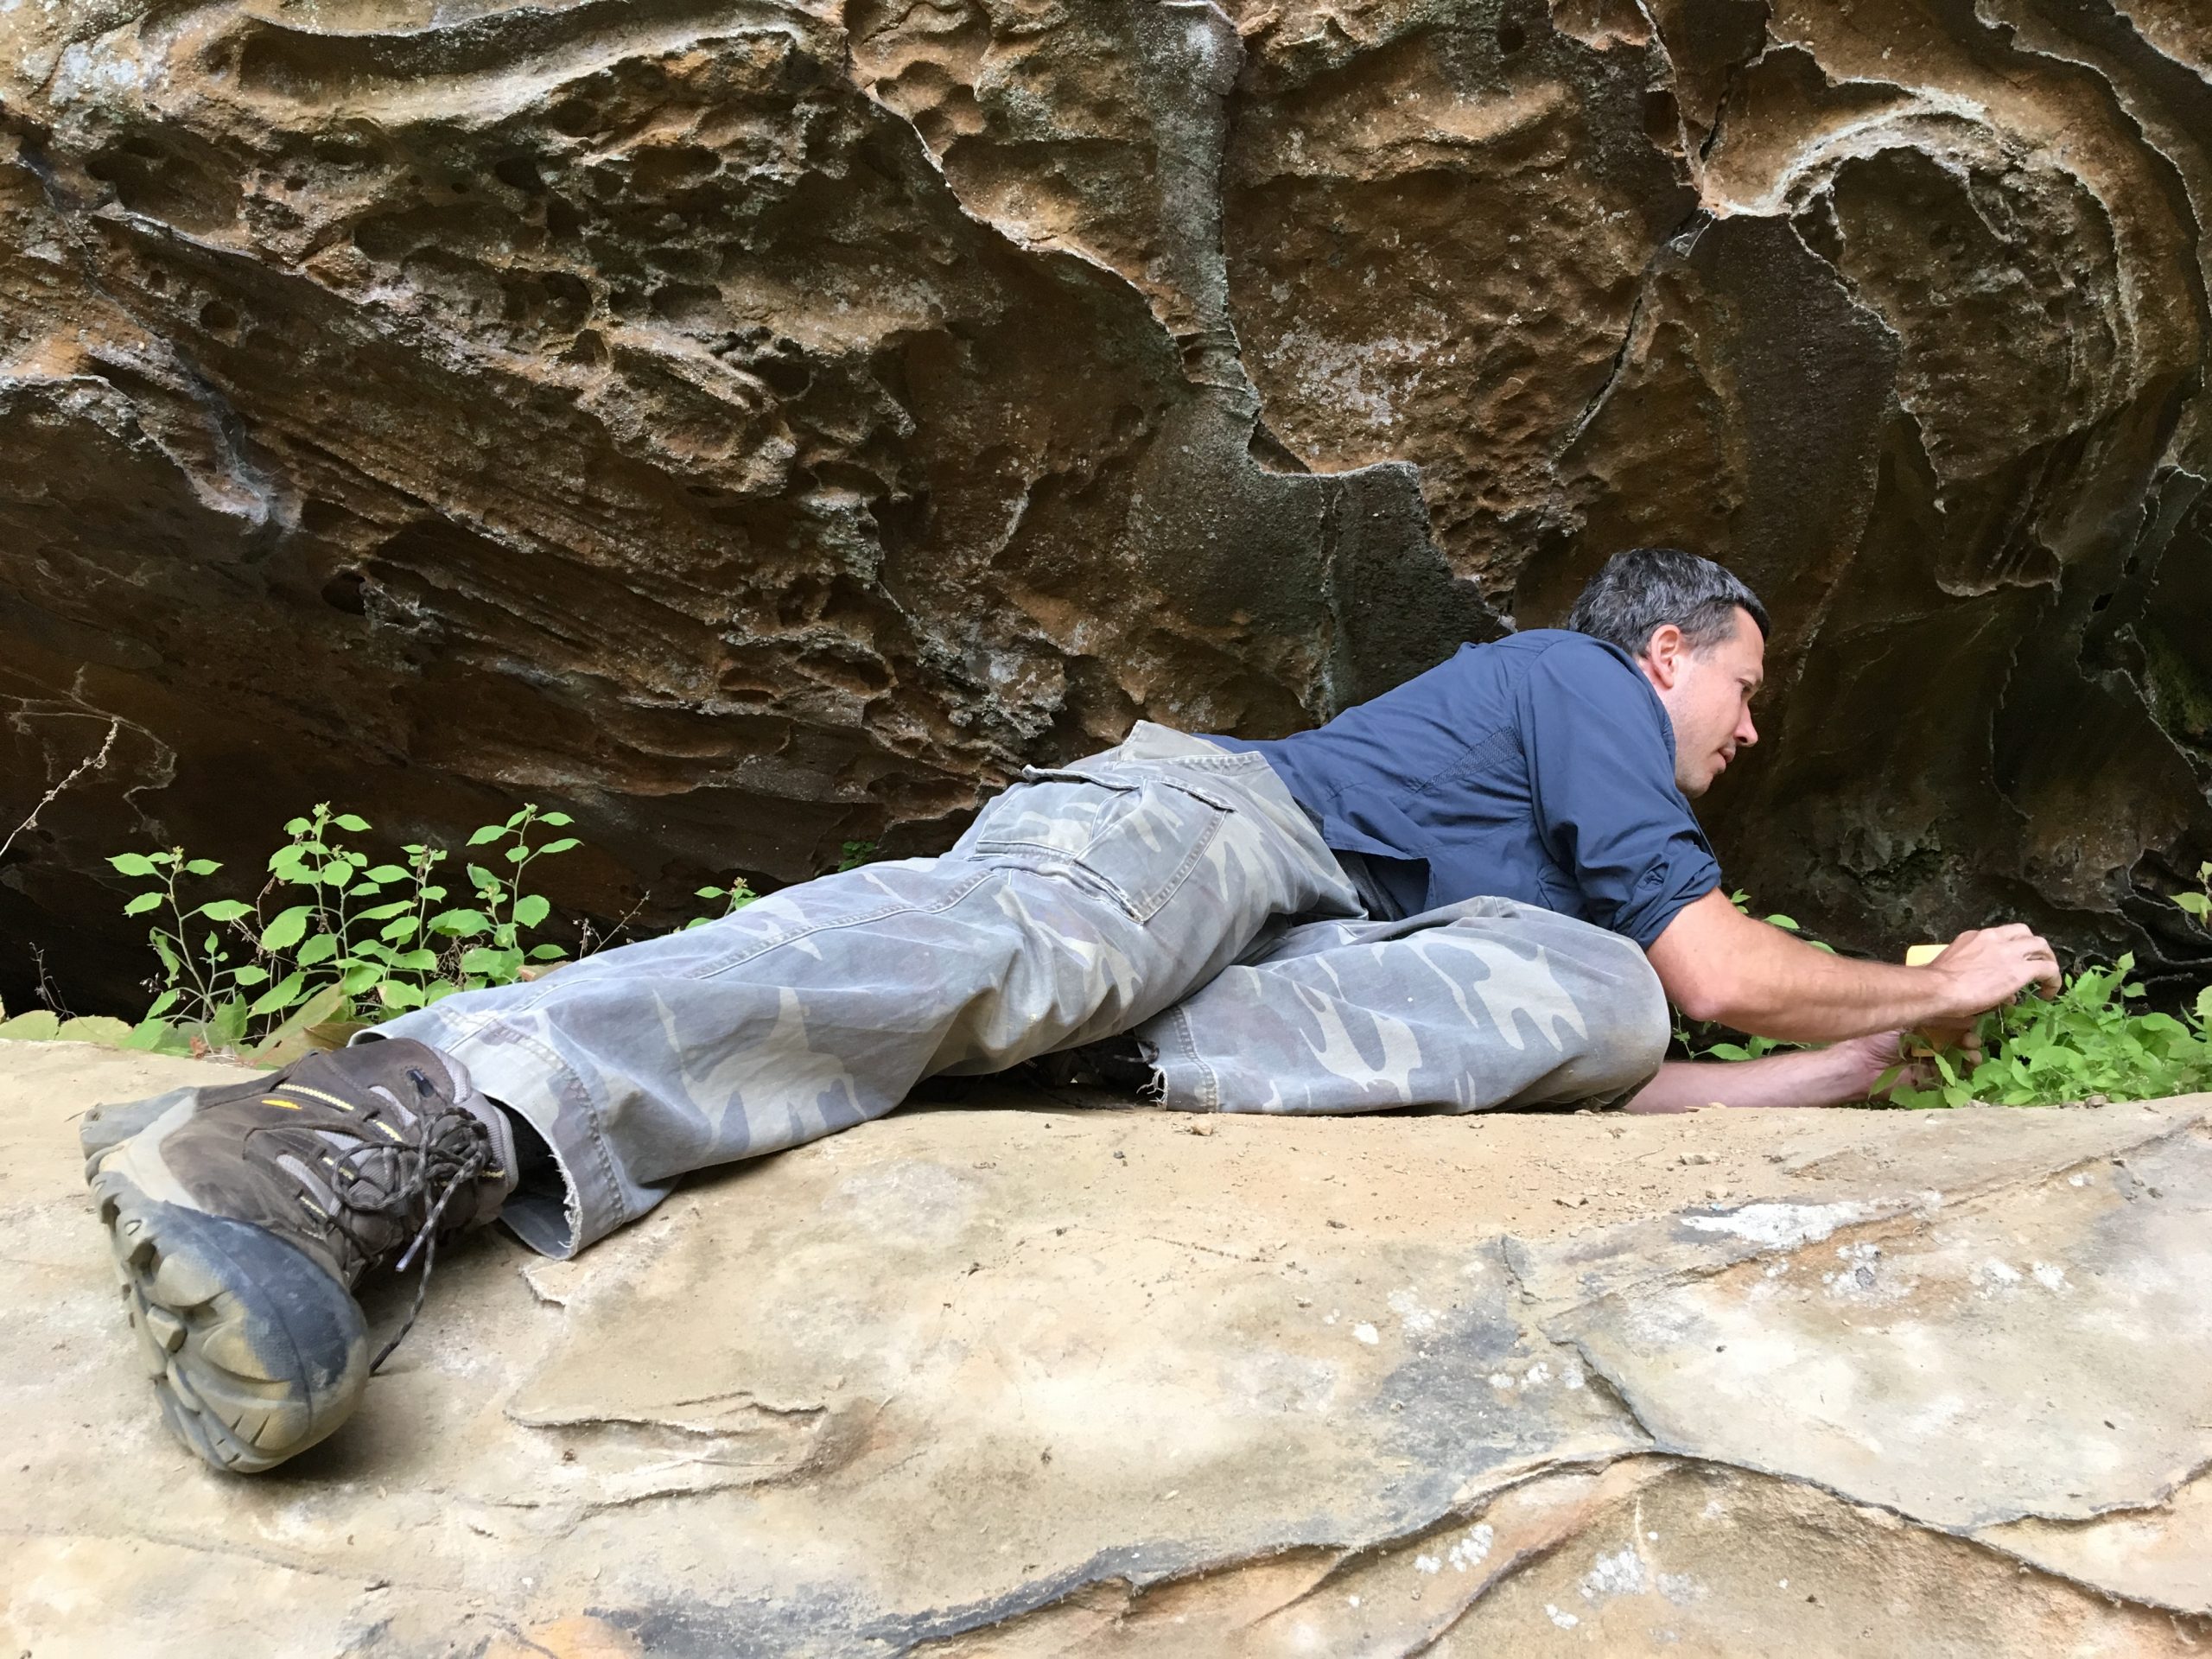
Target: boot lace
x=381 y=1189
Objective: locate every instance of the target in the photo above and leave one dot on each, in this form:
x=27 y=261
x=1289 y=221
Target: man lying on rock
x=1481 y=889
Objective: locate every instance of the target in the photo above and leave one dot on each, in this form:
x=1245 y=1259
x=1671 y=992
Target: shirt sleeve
x=1601 y=777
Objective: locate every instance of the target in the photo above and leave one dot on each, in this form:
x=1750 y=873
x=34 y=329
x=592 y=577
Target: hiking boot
x=241 y=1217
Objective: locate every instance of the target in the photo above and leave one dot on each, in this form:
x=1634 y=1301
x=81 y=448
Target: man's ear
x=1663 y=654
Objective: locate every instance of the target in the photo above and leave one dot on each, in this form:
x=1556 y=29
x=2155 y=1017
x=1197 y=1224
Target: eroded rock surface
x=752 y=424
x=1025 y=1376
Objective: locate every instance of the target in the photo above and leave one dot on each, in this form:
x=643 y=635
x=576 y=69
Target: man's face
x=1707 y=694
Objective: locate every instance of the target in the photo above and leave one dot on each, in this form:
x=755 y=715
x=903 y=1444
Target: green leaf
x=498 y=967
x=489 y=832
x=36 y=1026
x=397 y=993
x=296 y=826
x=228 y=1025
x=285 y=992
x=532 y=909
x=1728 y=1052
x=350 y=823
x=200 y=866
x=461 y=924
x=360 y=978
x=526 y=812
x=142 y=904
x=288 y=929
x=384 y=912
x=484 y=881
x=249 y=975
x=399 y=931
x=557 y=819
x=93 y=1028
x=438 y=993
x=388 y=872
x=224 y=909
x=2204 y=1005
x=709 y=893
x=337 y=874
x=320 y=948
x=149 y=1034
x=132 y=864
x=567 y=842
x=547 y=953
x=1787 y=924
x=289 y=1041
x=516 y=854
x=160 y=941
x=2196 y=904
x=415 y=961
x=161 y=1004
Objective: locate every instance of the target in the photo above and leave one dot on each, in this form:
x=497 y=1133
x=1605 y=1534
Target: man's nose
x=1746 y=733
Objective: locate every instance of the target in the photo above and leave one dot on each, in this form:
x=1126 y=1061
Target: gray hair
x=1644 y=589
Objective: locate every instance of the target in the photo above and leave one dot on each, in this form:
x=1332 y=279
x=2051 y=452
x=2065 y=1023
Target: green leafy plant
x=359 y=934
x=734 y=898
x=2085 y=1043
x=853 y=853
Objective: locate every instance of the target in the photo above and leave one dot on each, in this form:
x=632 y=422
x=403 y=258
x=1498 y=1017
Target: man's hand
x=1985 y=968
x=1717 y=964
x=1858 y=1064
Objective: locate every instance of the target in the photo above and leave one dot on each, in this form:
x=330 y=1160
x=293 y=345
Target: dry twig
x=94 y=762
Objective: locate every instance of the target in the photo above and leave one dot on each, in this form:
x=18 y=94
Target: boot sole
x=254 y=1350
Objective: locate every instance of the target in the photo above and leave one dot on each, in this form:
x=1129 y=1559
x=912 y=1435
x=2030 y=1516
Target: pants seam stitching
x=894 y=908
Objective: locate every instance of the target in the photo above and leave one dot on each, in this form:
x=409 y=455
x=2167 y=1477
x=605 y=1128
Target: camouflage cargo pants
x=1166 y=886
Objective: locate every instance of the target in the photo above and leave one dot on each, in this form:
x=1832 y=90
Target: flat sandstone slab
x=1018 y=1377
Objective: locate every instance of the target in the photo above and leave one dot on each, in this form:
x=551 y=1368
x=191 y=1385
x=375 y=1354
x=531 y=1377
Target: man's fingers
x=2042 y=962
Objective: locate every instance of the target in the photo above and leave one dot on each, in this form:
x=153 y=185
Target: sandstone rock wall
x=755 y=423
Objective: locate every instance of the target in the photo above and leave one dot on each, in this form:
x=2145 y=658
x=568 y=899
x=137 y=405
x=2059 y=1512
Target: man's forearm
x=1817 y=1077
x=1717 y=964
x=1826 y=999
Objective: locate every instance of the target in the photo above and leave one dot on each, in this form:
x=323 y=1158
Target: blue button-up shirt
x=1540 y=767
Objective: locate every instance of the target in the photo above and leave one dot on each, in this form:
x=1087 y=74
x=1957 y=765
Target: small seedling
x=733 y=898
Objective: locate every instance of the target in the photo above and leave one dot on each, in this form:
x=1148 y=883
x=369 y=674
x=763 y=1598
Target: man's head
x=1700 y=636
